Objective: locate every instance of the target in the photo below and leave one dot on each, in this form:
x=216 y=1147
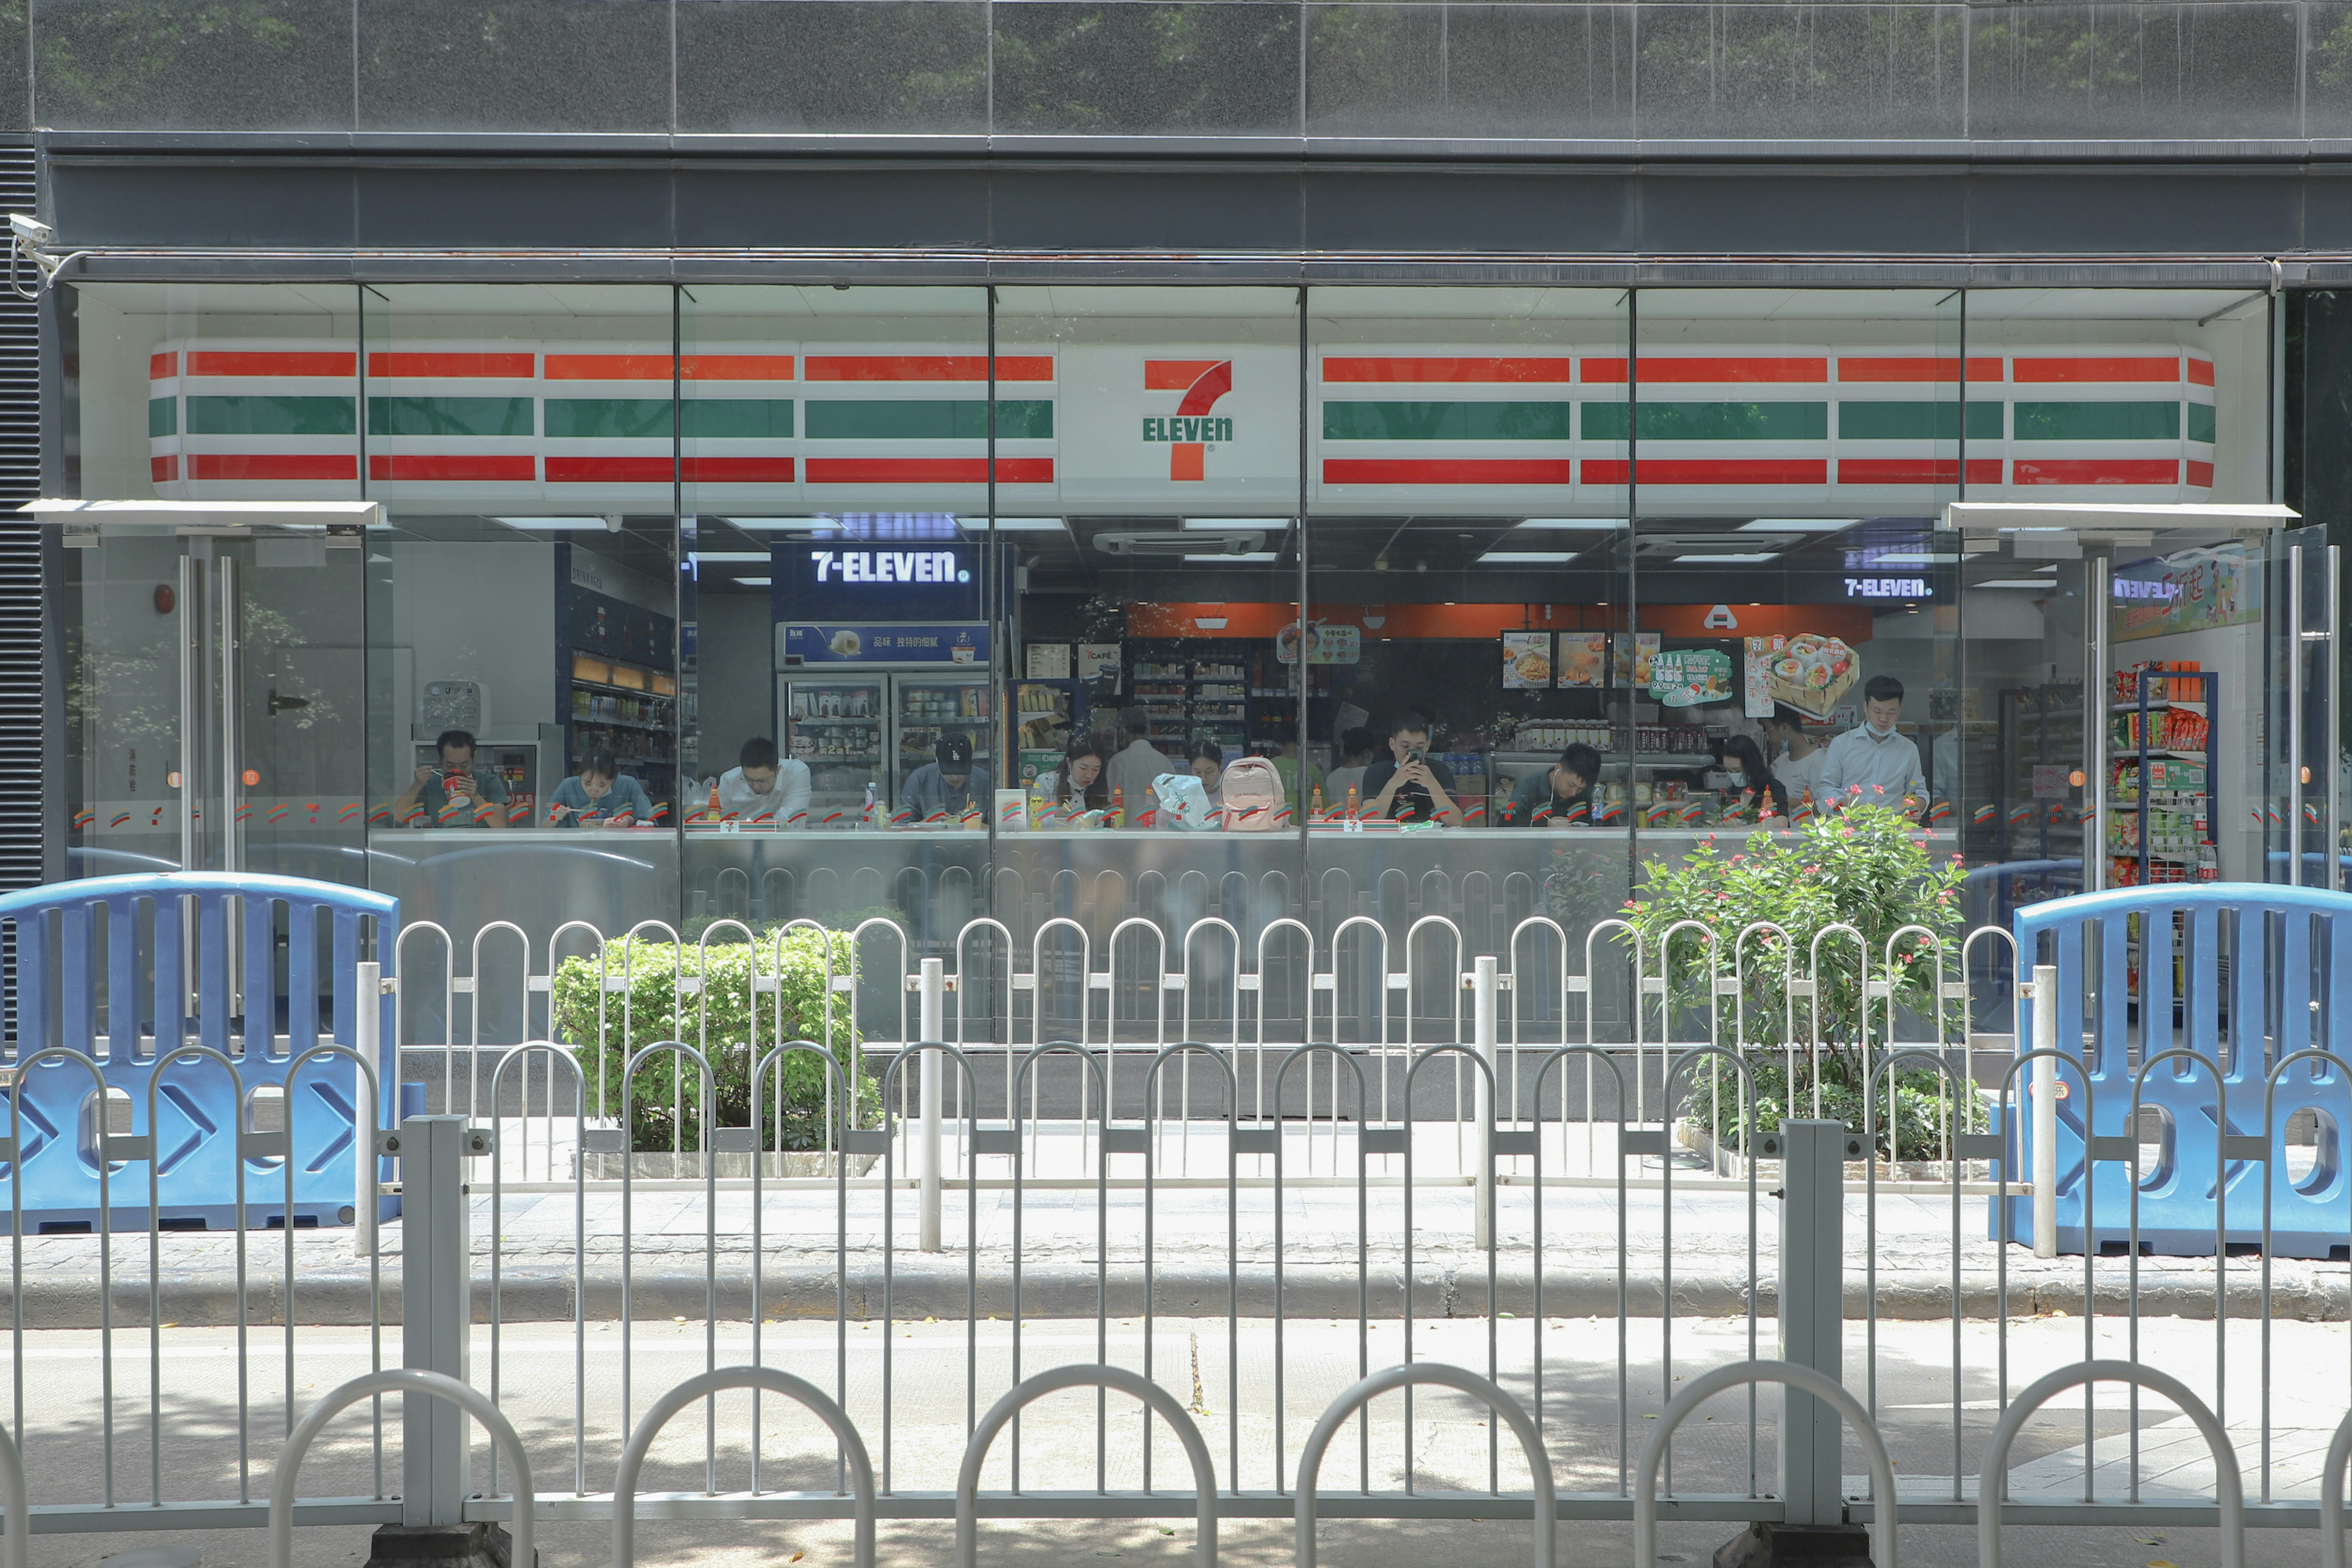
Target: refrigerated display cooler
x=874 y=727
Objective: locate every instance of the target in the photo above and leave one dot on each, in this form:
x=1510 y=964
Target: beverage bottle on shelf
x=713 y=810
x=1118 y=806
x=1314 y=805
x=1355 y=812
x=871 y=817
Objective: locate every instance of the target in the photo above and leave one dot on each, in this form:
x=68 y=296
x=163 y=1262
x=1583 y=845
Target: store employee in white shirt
x=761 y=786
x=1884 y=765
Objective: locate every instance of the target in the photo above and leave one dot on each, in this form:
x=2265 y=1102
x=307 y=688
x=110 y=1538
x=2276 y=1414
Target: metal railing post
x=2045 y=1110
x=367 y=1038
x=435 y=1311
x=934 y=1027
x=1812 y=1309
x=1485 y=986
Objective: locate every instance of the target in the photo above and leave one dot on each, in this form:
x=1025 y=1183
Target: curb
x=936 y=1287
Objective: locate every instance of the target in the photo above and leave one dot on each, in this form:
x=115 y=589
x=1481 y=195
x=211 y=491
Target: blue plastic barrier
x=59 y=978
x=2285 y=988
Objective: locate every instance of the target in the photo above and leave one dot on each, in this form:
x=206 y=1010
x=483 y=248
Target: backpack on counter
x=1252 y=792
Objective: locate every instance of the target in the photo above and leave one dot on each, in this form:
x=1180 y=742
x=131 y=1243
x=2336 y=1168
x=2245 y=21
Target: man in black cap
x=951 y=785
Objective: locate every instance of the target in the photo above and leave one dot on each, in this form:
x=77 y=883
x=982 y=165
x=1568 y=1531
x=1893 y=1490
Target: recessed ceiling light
x=1221 y=522
x=555 y=524
x=2017 y=583
x=1797 y=524
x=1245 y=556
x=1529 y=557
x=770 y=524
x=1591 y=522
x=753 y=582
x=1727 y=559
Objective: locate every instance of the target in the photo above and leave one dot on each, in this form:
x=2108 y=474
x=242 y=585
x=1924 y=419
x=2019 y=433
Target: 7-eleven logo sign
x=1189 y=432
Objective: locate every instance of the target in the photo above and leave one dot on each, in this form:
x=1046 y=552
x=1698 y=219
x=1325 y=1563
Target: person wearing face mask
x=1750 y=792
x=1873 y=763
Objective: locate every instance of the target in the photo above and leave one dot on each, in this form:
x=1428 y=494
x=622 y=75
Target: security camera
x=32 y=231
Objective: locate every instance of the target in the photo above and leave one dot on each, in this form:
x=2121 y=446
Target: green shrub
x=1867 y=867
x=718 y=1022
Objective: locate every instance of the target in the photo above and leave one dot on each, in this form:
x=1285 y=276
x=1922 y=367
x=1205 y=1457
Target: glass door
x=214 y=702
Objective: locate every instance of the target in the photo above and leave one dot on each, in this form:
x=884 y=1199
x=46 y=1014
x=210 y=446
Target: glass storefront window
x=1157 y=734
x=844 y=611
x=1009 y=559
x=1467 y=578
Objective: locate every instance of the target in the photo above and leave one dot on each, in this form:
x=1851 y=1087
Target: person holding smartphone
x=1409 y=784
x=601 y=795
x=452 y=792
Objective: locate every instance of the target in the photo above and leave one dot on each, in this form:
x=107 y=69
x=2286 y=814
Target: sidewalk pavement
x=668 y=1248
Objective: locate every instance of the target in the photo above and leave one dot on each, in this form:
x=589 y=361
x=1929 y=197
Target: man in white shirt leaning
x=1799 y=768
x=1873 y=763
x=762 y=785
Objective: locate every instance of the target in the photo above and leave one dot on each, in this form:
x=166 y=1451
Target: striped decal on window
x=1447 y=421
x=1497 y=423
x=1400 y=368
x=449 y=415
x=1396 y=427
x=1448 y=472
x=1710 y=471
x=454 y=367
x=1922 y=369
x=927 y=419
x=927 y=470
x=1710 y=421
x=2137 y=421
x=928 y=367
x=262 y=414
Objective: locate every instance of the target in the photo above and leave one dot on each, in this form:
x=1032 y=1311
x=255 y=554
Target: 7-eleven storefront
x=1274 y=520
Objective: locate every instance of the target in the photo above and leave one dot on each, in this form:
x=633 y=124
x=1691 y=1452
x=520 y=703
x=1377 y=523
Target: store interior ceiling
x=1382 y=559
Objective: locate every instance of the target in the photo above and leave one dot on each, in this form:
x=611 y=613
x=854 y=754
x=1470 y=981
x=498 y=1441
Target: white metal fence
x=1545 y=1163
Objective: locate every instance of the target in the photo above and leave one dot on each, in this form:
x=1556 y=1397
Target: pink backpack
x=1252 y=794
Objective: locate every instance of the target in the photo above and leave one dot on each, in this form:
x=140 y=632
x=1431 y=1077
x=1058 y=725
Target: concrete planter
x=668 y=1167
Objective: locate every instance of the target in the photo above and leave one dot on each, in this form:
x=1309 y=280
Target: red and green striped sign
x=1390 y=427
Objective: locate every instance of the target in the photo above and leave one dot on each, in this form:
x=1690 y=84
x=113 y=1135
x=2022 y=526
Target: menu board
x=1635 y=652
x=1526 y=661
x=1758 y=684
x=1690 y=677
x=1584 y=659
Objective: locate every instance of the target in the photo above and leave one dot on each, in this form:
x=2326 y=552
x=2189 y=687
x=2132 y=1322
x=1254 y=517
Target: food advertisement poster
x=1323 y=644
x=2188 y=592
x=1812 y=673
x=1757 y=686
x=1632 y=665
x=1099 y=661
x=1689 y=677
x=1526 y=661
x=1583 y=657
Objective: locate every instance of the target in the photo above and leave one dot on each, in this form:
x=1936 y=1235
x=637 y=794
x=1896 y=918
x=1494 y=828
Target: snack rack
x=2165 y=853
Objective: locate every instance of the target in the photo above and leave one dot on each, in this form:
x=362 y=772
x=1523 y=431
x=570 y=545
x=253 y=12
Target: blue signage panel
x=833 y=642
